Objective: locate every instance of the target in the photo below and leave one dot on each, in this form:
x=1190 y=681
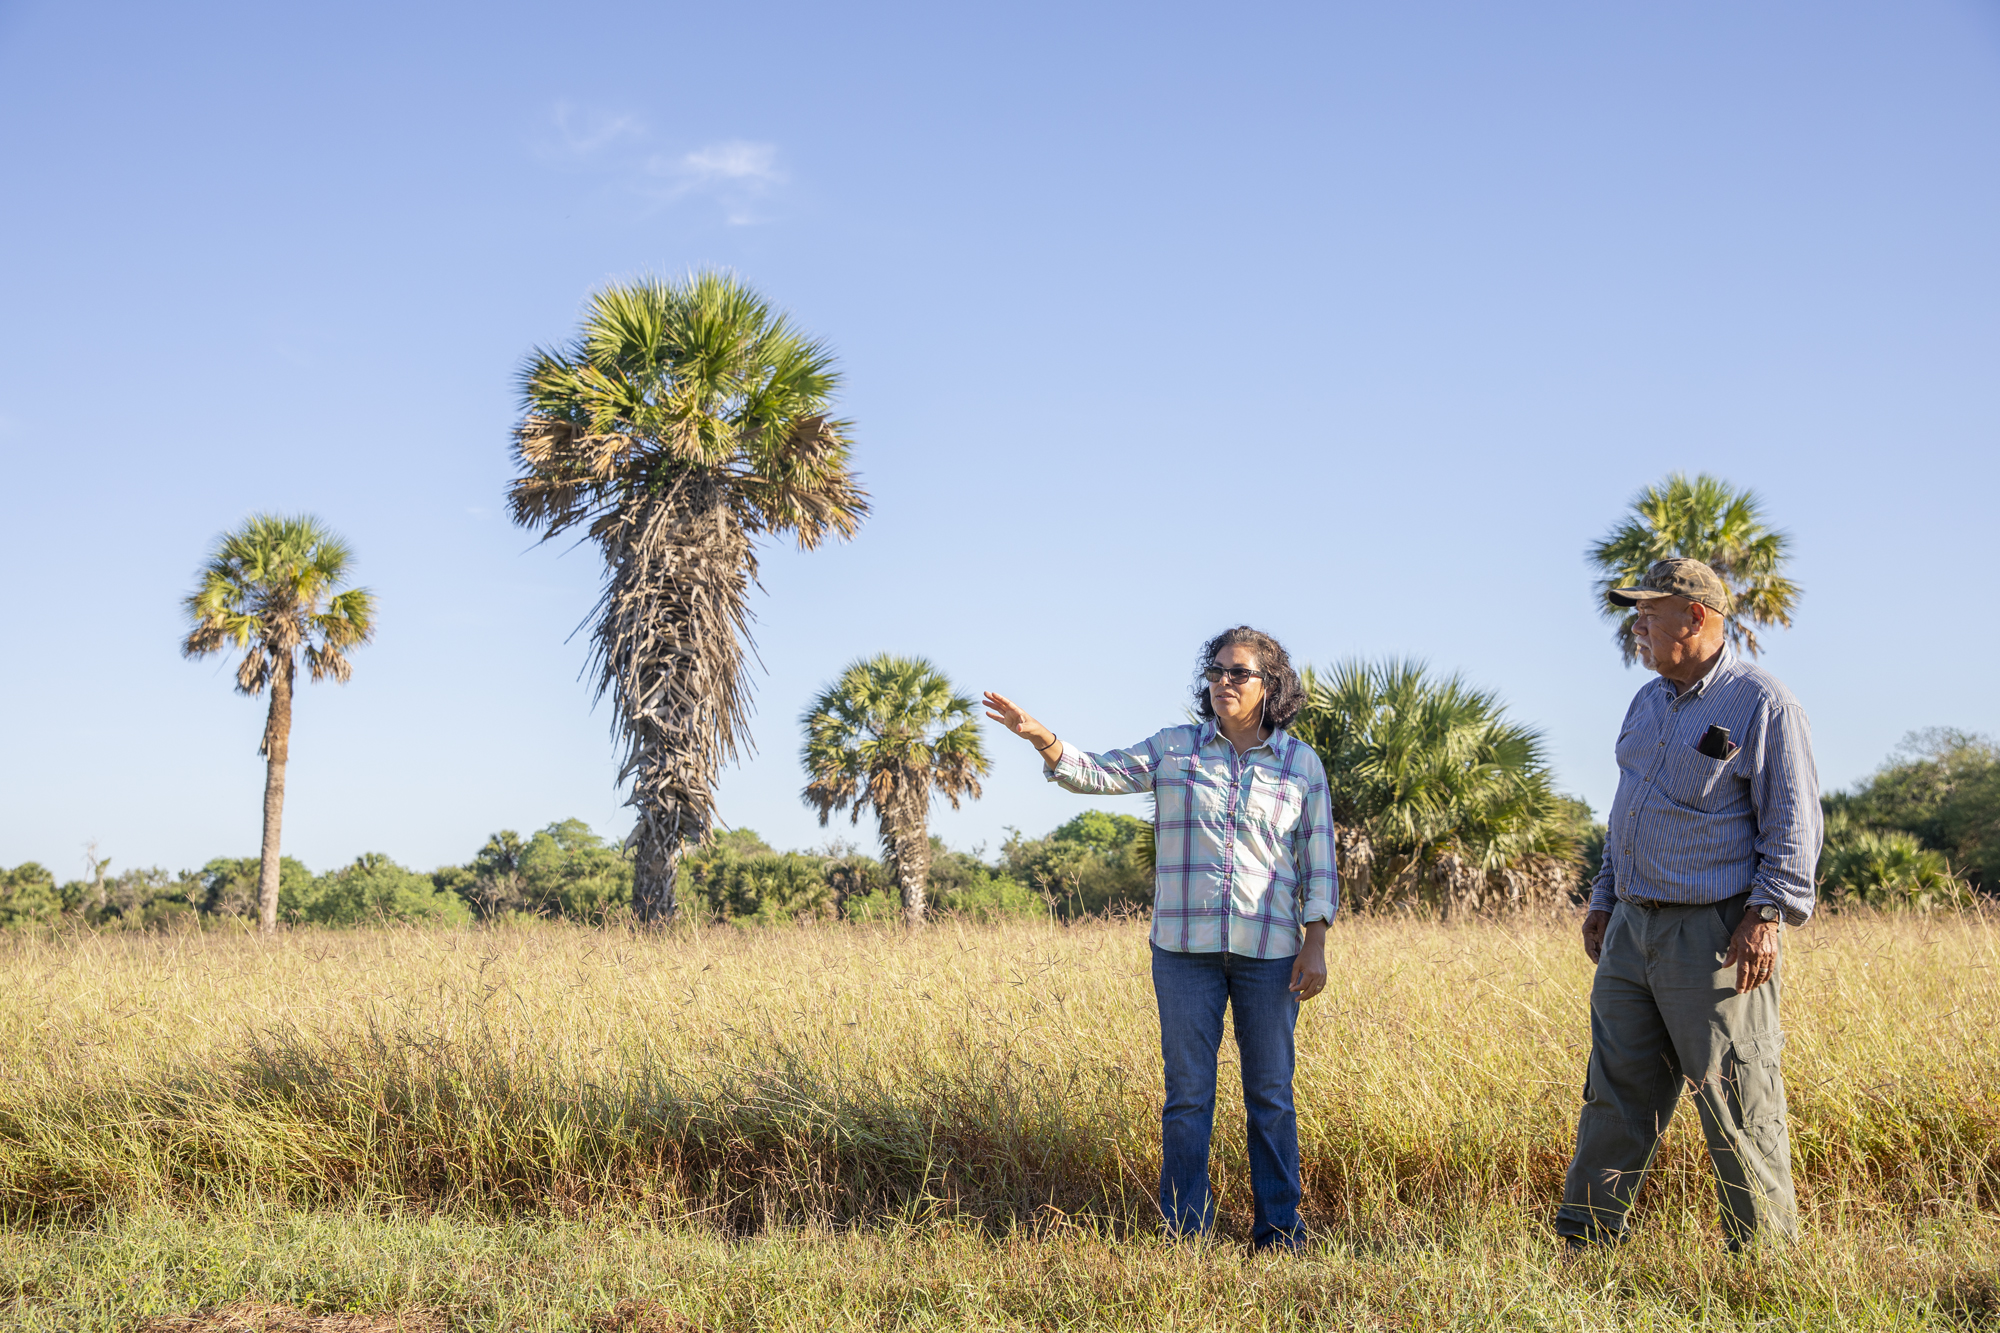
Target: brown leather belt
x=1654 y=904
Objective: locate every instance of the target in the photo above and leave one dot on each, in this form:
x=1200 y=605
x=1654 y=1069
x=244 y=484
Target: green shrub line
x=1092 y=864
x=1921 y=834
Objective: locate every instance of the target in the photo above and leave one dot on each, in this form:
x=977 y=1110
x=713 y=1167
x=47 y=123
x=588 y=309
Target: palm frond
x=1421 y=767
x=1704 y=519
x=268 y=591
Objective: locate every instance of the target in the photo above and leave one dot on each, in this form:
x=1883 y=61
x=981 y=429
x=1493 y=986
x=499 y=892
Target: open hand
x=1015 y=718
x=1009 y=714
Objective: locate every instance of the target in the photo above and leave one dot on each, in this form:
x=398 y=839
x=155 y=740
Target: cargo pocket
x=1755 y=1087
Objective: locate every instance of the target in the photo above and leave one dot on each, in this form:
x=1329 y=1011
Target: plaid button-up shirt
x=1242 y=844
x=1689 y=829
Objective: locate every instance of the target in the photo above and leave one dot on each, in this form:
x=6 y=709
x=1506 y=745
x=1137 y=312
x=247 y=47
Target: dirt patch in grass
x=643 y=1317
x=1973 y=1301
x=264 y=1317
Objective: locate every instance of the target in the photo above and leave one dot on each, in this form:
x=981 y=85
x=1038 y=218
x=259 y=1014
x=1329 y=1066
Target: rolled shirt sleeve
x=1604 y=889
x=1784 y=790
x=1319 y=878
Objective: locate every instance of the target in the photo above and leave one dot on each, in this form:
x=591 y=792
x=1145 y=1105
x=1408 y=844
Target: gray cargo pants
x=1665 y=1017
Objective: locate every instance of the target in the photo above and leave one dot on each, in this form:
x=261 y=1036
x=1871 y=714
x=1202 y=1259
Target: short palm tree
x=1886 y=868
x=271 y=590
x=685 y=421
x=1707 y=520
x=884 y=736
x=1429 y=782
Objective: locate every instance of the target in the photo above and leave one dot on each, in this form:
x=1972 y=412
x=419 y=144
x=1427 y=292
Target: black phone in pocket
x=1715 y=743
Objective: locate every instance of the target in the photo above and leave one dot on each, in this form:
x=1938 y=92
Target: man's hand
x=1594 y=926
x=1754 y=951
x=1309 y=968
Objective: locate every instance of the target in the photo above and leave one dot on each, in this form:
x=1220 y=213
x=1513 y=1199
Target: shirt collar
x=1211 y=730
x=1725 y=664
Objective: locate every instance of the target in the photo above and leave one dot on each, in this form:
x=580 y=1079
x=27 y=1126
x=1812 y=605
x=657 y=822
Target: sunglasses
x=1215 y=675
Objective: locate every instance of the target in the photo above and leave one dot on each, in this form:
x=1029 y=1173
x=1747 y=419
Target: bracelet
x=1044 y=749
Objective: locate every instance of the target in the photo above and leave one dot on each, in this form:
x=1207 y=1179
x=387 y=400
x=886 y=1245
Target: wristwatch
x=1766 y=912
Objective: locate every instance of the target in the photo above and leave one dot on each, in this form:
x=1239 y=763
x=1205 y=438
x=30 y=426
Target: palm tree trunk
x=913 y=869
x=658 y=842
x=277 y=749
x=906 y=832
x=1457 y=883
x=1354 y=864
x=669 y=644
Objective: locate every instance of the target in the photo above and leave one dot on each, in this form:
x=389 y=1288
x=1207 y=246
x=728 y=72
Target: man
x=1710 y=852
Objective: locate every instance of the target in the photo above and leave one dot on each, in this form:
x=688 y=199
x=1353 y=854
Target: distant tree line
x=1923 y=831
x=567 y=871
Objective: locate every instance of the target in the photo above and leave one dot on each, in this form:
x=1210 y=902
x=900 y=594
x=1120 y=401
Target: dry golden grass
x=986 y=1095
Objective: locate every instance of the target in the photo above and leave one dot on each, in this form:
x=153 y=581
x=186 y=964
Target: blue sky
x=1355 y=322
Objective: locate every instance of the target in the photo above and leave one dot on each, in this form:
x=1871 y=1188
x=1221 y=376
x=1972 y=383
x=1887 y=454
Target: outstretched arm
x=1112 y=773
x=1015 y=718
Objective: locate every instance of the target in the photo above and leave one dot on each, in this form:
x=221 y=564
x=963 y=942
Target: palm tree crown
x=1707 y=520
x=883 y=736
x=1423 y=771
x=683 y=422
x=270 y=590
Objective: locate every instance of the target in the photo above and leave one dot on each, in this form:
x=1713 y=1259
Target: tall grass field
x=555 y=1127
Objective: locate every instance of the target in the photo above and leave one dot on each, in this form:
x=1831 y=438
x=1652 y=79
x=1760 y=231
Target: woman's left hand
x=1309 y=968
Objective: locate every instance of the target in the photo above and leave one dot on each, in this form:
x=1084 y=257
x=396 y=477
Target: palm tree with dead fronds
x=1703 y=519
x=883 y=737
x=271 y=590
x=685 y=421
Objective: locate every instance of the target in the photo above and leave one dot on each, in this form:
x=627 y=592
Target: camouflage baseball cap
x=1677 y=578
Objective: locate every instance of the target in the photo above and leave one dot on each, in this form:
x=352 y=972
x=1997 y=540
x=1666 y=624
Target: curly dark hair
x=1283 y=694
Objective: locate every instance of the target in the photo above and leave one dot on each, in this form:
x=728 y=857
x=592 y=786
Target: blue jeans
x=1192 y=989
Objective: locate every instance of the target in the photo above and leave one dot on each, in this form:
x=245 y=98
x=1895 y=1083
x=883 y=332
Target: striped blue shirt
x=1242 y=844
x=1686 y=828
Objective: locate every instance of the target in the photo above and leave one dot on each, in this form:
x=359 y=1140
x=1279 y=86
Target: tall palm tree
x=270 y=591
x=1433 y=789
x=884 y=736
x=684 y=421
x=1707 y=520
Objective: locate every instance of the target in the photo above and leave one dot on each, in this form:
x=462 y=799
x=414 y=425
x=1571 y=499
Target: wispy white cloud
x=734 y=161
x=584 y=132
x=740 y=176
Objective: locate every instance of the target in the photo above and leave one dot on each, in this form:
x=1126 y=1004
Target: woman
x=1243 y=889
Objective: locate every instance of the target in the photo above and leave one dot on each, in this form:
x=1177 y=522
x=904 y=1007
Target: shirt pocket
x=1276 y=802
x=1691 y=779
x=1207 y=790
x=1178 y=788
